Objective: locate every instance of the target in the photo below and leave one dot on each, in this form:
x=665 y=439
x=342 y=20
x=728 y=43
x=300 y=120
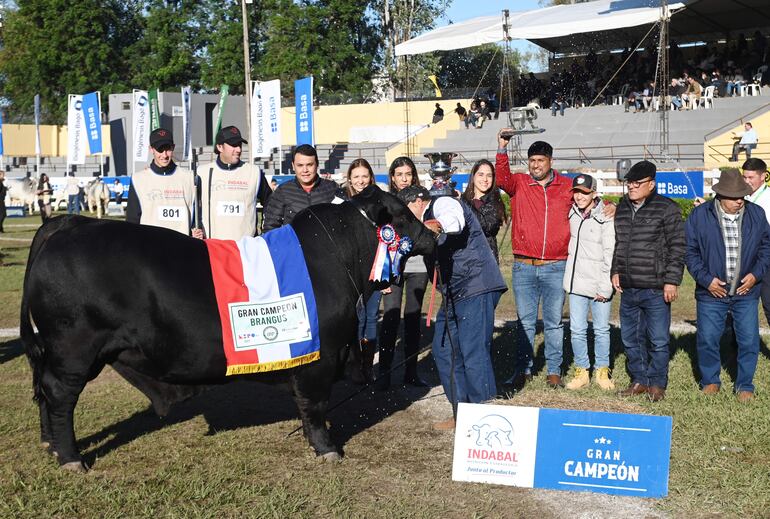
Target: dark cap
x=411 y=193
x=230 y=135
x=584 y=183
x=641 y=170
x=161 y=137
x=540 y=148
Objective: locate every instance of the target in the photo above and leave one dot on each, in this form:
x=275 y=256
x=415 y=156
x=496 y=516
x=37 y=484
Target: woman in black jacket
x=483 y=195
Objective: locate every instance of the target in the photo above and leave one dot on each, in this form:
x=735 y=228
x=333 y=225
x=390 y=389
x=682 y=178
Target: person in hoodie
x=587 y=282
x=162 y=194
x=230 y=189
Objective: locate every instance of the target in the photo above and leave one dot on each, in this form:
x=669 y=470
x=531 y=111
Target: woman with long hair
x=359 y=177
x=44 y=192
x=483 y=195
x=410 y=291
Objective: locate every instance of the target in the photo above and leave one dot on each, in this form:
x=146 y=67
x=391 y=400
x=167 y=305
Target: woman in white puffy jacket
x=587 y=282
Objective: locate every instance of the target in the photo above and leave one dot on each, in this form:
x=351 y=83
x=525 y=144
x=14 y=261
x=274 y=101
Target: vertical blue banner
x=37 y=125
x=303 y=99
x=603 y=452
x=93 y=120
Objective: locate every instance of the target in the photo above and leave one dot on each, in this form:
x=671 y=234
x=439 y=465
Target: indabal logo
x=493 y=431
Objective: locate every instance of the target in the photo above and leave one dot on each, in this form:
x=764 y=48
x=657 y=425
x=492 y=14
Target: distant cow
x=158 y=324
x=97 y=196
x=22 y=191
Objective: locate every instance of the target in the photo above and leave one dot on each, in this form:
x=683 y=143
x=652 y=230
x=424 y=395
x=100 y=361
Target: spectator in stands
x=461 y=112
x=647 y=270
x=473 y=115
x=675 y=92
x=558 y=104
x=483 y=196
x=307 y=189
x=728 y=254
x=438 y=114
x=755 y=175
x=734 y=86
x=633 y=98
x=646 y=97
x=745 y=141
x=587 y=281
x=411 y=291
x=484 y=114
x=692 y=93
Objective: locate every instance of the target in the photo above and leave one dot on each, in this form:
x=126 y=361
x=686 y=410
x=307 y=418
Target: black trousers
x=412 y=292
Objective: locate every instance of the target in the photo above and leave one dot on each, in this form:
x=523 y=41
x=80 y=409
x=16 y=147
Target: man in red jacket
x=540 y=204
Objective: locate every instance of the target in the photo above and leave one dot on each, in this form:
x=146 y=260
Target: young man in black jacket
x=305 y=190
x=647 y=270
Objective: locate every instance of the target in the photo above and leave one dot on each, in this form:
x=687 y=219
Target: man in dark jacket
x=472 y=285
x=647 y=270
x=305 y=190
x=728 y=253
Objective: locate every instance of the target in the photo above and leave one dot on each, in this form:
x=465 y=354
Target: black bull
x=147 y=307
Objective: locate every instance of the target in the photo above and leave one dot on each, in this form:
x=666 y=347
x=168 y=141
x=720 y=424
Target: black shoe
x=382 y=383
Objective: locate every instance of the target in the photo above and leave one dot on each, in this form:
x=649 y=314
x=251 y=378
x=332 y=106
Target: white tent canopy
x=540 y=24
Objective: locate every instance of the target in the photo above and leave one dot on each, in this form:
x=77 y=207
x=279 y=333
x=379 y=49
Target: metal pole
x=664 y=75
x=247 y=73
x=504 y=71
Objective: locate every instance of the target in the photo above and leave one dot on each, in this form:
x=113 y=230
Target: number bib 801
x=170 y=213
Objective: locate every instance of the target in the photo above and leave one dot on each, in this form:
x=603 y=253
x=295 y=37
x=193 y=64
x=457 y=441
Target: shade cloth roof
x=599 y=24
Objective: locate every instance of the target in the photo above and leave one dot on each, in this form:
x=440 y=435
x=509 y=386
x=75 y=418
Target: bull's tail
x=33 y=347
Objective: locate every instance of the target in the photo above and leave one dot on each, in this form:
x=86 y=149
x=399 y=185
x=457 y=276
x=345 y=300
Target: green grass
x=226 y=453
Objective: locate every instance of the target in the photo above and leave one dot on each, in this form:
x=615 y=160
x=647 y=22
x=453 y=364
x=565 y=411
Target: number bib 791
x=225 y=208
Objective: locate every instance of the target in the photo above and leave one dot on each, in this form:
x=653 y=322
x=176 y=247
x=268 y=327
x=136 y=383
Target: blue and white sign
x=566 y=450
x=303 y=100
x=680 y=184
x=37 y=125
x=93 y=119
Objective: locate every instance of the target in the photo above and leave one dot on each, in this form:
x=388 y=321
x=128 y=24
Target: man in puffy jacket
x=307 y=189
x=647 y=270
x=728 y=253
x=540 y=205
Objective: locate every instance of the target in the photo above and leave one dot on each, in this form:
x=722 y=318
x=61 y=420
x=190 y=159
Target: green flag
x=154 y=110
x=223 y=92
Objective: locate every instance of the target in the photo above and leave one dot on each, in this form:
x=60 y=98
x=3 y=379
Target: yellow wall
x=332 y=123
x=717 y=151
x=19 y=140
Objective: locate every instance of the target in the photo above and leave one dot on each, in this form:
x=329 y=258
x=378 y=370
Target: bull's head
x=383 y=209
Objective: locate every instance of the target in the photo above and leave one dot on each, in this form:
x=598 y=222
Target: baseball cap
x=584 y=183
x=161 y=137
x=230 y=135
x=411 y=193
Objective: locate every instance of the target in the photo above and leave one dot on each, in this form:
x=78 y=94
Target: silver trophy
x=441 y=170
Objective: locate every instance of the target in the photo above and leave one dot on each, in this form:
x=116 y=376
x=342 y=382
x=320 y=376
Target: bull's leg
x=61 y=397
x=312 y=410
x=162 y=395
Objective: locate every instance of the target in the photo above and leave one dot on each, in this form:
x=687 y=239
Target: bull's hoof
x=75 y=466
x=329 y=457
x=45 y=446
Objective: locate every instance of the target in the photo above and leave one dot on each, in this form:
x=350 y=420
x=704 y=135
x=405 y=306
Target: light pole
x=247 y=71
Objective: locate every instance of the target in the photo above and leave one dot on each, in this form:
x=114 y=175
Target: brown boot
x=554 y=381
x=711 y=389
x=634 y=389
x=446 y=425
x=656 y=393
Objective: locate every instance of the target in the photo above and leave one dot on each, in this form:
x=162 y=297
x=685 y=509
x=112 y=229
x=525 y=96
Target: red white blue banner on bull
x=303 y=99
x=92 y=112
x=610 y=453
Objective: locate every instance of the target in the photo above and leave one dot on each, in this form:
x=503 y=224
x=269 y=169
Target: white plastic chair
x=708 y=97
x=620 y=97
x=751 y=90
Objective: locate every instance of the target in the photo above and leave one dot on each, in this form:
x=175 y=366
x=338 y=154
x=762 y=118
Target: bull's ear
x=371 y=202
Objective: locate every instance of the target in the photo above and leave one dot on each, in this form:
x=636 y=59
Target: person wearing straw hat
x=728 y=254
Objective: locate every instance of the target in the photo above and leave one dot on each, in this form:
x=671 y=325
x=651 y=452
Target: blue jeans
x=470 y=323
x=367 y=322
x=73 y=204
x=578 y=325
x=711 y=324
x=532 y=284
x=677 y=102
x=645 y=320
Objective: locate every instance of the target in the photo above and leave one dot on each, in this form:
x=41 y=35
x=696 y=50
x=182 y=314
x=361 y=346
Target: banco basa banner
x=265 y=117
x=303 y=100
x=76 y=138
x=93 y=120
x=140 y=115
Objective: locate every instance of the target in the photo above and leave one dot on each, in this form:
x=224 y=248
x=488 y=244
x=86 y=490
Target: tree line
x=55 y=48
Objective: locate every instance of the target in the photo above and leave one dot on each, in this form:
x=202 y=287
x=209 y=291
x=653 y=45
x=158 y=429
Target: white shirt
x=449 y=213
x=761 y=197
x=749 y=137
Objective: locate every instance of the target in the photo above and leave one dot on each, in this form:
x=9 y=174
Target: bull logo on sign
x=493 y=431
